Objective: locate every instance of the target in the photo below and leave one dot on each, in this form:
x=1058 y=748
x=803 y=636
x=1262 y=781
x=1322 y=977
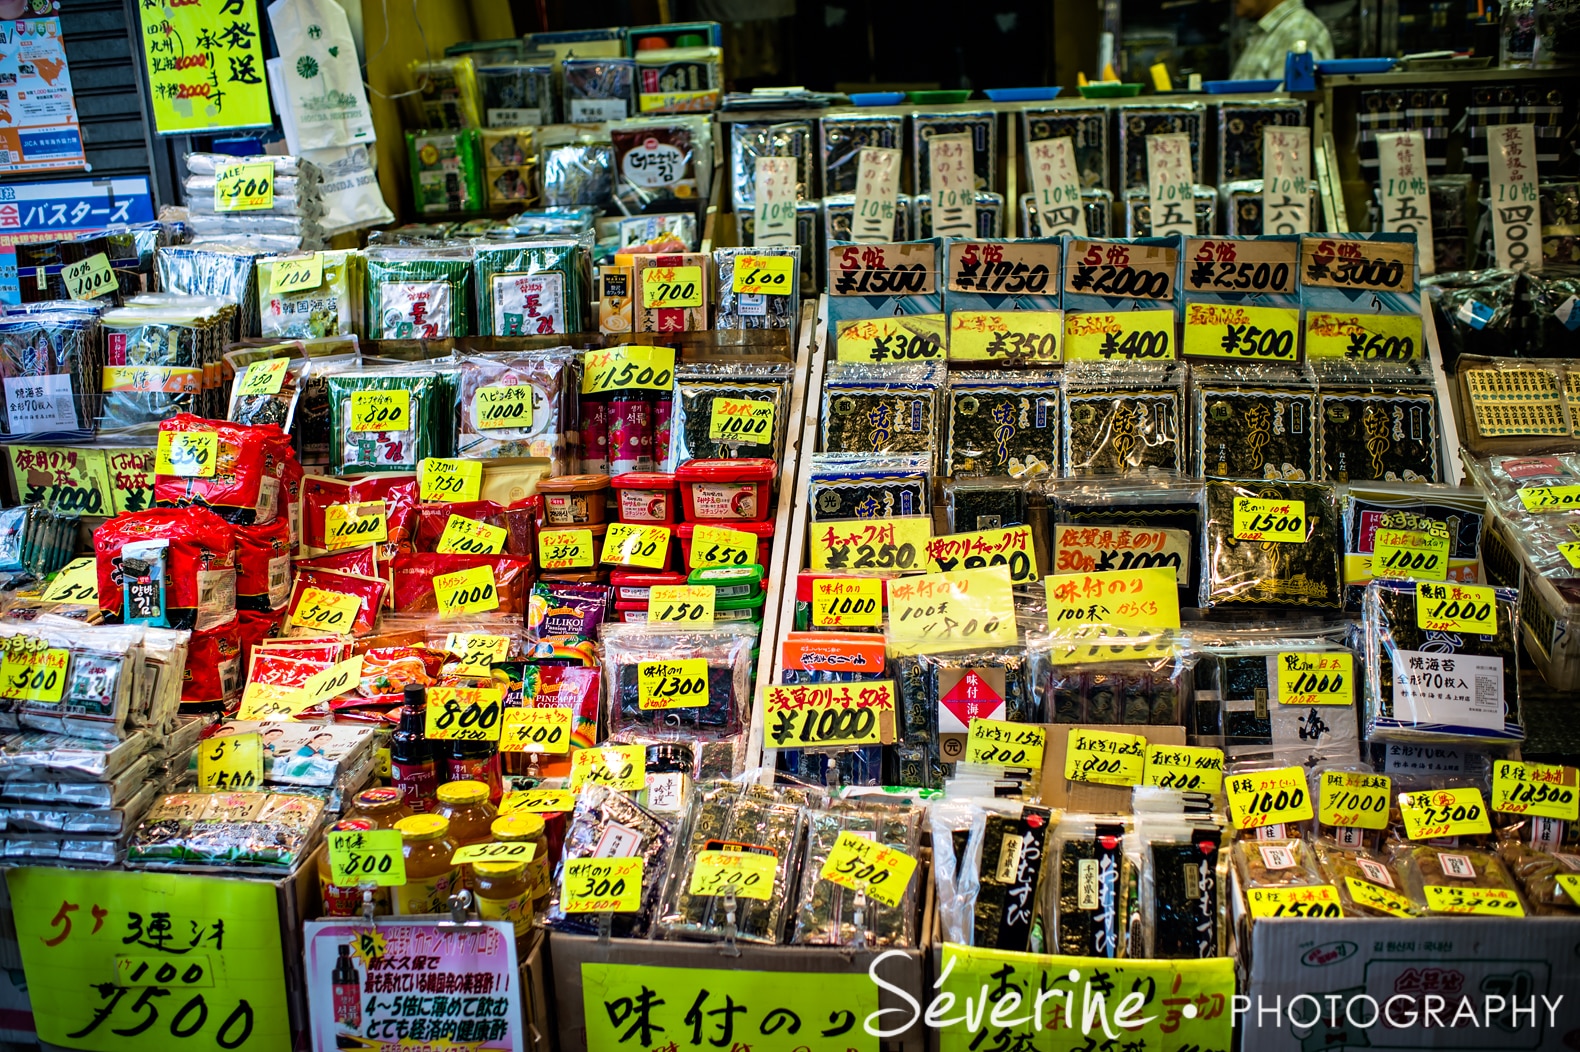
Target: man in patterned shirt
x=1280 y=25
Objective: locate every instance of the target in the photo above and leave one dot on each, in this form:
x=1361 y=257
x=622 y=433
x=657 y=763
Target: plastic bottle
x=347 y=985
x=411 y=762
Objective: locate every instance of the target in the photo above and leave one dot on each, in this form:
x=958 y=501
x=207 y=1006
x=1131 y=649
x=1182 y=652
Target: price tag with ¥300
x=683 y=604
x=741 y=420
x=967 y=607
x=1262 y=519
x=380 y=411
x=1541 y=499
x=187 y=454
x=366 y=856
x=763 y=275
x=1352 y=798
x=1269 y=798
x=464 y=714
x=628 y=545
x=1005 y=744
x=1305 y=900
x=1467 y=608
x=622 y=767
x=466 y=591
x=1316 y=677
x=302 y=274
x=230 y=763
x=537 y=801
x=447 y=481
x=504 y=406
x=563 y=549
x=678 y=684
x=664 y=287
x=865 y=544
x=746 y=874
x=1190 y=768
x=1434 y=813
x=537 y=730
x=601 y=885
x=894 y=340
x=246 y=187
x=720 y=546
x=326 y=611
x=355 y=525
x=847 y=602
x=77 y=582
x=1105 y=757
x=264 y=378
x=478 y=653
x=89 y=278
x=625 y=368
x=469 y=537
x=1545 y=790
x=866 y=865
x=1410 y=554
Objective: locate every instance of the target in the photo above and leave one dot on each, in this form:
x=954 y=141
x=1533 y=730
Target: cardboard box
x=1056 y=791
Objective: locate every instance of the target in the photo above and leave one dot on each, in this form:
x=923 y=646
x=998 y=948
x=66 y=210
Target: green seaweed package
x=1256 y=422
x=1124 y=418
x=293 y=309
x=531 y=287
x=1379 y=421
x=1247 y=567
x=887 y=409
x=419 y=293
x=1002 y=423
x=699 y=384
x=446 y=171
x=384 y=421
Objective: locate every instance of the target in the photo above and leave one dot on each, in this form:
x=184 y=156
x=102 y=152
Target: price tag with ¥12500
x=601 y=885
x=951 y=610
x=1267 y=519
x=442 y=481
x=678 y=684
x=230 y=763
x=355 y=525
x=1468 y=608
x=744 y=873
x=545 y=729
x=1105 y=757
x=860 y=864
x=682 y=604
x=464 y=714
x=628 y=545
x=828 y=715
x=622 y=767
x=866 y=544
x=381 y=411
x=721 y=546
x=1354 y=799
x=1545 y=790
x=741 y=420
x=1186 y=767
x=1268 y=798
x=1005 y=744
x=187 y=454
x=563 y=549
x=463 y=536
x=1420 y=555
x=1316 y=677
x=763 y=275
x=847 y=602
x=326 y=611
x=466 y=592
x=366 y=856
x=300 y=274
x=1433 y=813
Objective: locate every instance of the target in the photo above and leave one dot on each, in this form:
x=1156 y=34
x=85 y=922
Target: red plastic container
x=732 y=491
x=631 y=611
x=763 y=530
x=632 y=586
x=647 y=497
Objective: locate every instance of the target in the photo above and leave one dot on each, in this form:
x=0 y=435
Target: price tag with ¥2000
x=721 y=546
x=847 y=602
x=601 y=885
x=563 y=549
x=1316 y=677
x=1546 y=790
x=1410 y=554
x=628 y=545
x=445 y=481
x=828 y=715
x=264 y=378
x=860 y=864
x=366 y=856
x=1265 y=519
x=1433 y=813
x=464 y=536
x=1268 y=798
x=622 y=767
x=865 y=544
x=355 y=525
x=678 y=684
x=1191 y=768
x=683 y=604
x=326 y=611
x=1105 y=757
x=466 y=591
x=464 y=713
x=1467 y=608
x=1004 y=744
x=1354 y=799
x=380 y=411
x=763 y=275
x=746 y=874
x=187 y=454
x=230 y=763
x=544 y=729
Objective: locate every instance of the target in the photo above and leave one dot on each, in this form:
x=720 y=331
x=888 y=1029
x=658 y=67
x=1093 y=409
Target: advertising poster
x=38 y=113
x=205 y=65
x=62 y=207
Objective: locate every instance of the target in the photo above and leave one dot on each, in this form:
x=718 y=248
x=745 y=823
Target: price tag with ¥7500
x=563 y=549
x=1269 y=798
x=746 y=874
x=678 y=684
x=187 y=454
x=1005 y=744
x=469 y=537
x=899 y=543
x=1190 y=768
x=1433 y=813
x=230 y=763
x=366 y=856
x=443 y=481
x=1546 y=790
x=1467 y=608
x=1105 y=757
x=860 y=864
x=466 y=591
x=847 y=602
x=683 y=604
x=721 y=546
x=537 y=730
x=601 y=885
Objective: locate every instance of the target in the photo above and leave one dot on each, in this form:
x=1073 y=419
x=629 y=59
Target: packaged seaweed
x=1271 y=544
x=750 y=140
x=638 y=656
x=842 y=137
x=1184 y=869
x=531 y=287
x=984 y=504
x=516 y=93
x=264 y=391
x=982 y=126
x=444 y=93
x=446 y=171
x=827 y=914
x=498 y=419
x=701 y=385
x=659 y=160
x=598 y=89
x=419 y=293
x=680 y=79
x=51 y=363
x=1379 y=421
x=1002 y=423
x=1458 y=512
x=777 y=307
x=1096 y=208
x=1086 y=899
x=1073 y=688
x=939 y=694
x=888 y=409
x=155 y=363
x=384 y=421
x=1010 y=852
x=1097 y=526
x=608 y=824
x=1087 y=129
x=989 y=214
x=577 y=172
x=1124 y=418
x=1256 y=422
x=864 y=486
x=293 y=308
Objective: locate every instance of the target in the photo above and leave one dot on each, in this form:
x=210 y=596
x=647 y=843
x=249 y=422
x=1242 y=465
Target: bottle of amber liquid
x=471 y=761
x=526 y=826
x=382 y=805
x=426 y=848
x=411 y=762
x=503 y=893
x=341 y=901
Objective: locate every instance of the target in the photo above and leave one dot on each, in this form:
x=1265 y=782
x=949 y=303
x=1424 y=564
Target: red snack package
x=387 y=670
x=212 y=679
x=398 y=492
x=413 y=576
x=290 y=487
x=263 y=566
x=518 y=523
x=360 y=561
x=565 y=687
x=368 y=591
x=199 y=559
x=244 y=487
x=255 y=628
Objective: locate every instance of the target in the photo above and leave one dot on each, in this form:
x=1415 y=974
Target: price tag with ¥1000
x=746 y=874
x=1241 y=333
x=1309 y=901
x=1268 y=798
x=628 y=545
x=1468 y=608
x=464 y=714
x=494 y=851
x=1100 y=336
x=246 y=187
x=355 y=525
x=996 y=336
x=332 y=682
x=503 y=406
x=1352 y=798
x=1105 y=757
x=1384 y=337
x=537 y=801
x=720 y=546
x=626 y=368
x=1410 y=554
x=683 y=604
x=464 y=536
x=1264 y=519
x=77 y=582
x=264 y=378
x=230 y=763
x=622 y=767
x=664 y=287
x=893 y=340
x=1187 y=767
x=563 y=549
x=678 y=684
x=1542 y=499
x=1433 y=813
x=302 y=274
x=828 y=715
x=860 y=864
x=1316 y=677
x=1005 y=744
x=1486 y=902
x=601 y=885
x=478 y=652
x=763 y=275
x=326 y=611
x=381 y=411
x=741 y=420
x=847 y=602
x=1545 y=790
x=89 y=278
x=366 y=856
x=1010 y=546
x=1146 y=598
x=545 y=730
x=967 y=607
x=187 y=454
x=466 y=591
x=447 y=481
x=866 y=544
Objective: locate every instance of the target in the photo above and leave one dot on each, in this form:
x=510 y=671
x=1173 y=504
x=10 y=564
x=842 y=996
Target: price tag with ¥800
x=470 y=714
x=366 y=856
x=463 y=536
x=1100 y=336
x=860 y=864
x=187 y=454
x=1303 y=900
x=1241 y=333
x=381 y=411
x=77 y=582
x=664 y=287
x=466 y=591
x=745 y=874
x=719 y=546
x=967 y=607
x=1467 y=608
x=628 y=545
x=1010 y=546
x=503 y=406
x=683 y=604
x=355 y=525
x=741 y=420
x=828 y=715
x=1263 y=519
x=443 y=481
x=563 y=549
x=230 y=763
x=537 y=730
x=847 y=602
x=1004 y=744
x=264 y=378
x=601 y=885
x=1383 y=337
x=247 y=187
x=1354 y=799
x=537 y=801
x=1545 y=790
x=622 y=767
x=763 y=275
x=1145 y=598
x=302 y=274
x=678 y=684
x=1434 y=813
x=478 y=653
x=1542 y=499
x=89 y=278
x=1410 y=554
x=1186 y=767
x=1105 y=757
x=1485 y=902
x=326 y=611
x=867 y=544
x=1268 y=798
x=625 y=368
x=1316 y=677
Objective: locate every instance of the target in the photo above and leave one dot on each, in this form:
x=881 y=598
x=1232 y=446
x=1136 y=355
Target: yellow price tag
x=326 y=611
x=381 y=411
x=230 y=763
x=537 y=730
x=1387 y=337
x=537 y=801
x=469 y=537
x=89 y=278
x=1365 y=893
x=996 y=336
x=860 y=864
x=263 y=701
x=1259 y=519
x=247 y=187
x=264 y=378
x=1269 y=798
x=1101 y=336
x=1105 y=757
x=77 y=582
x=1410 y=554
x=504 y=406
x=1146 y=598
x=896 y=338
x=1486 y=902
x=601 y=885
x=748 y=874
x=355 y=525
x=628 y=545
x=965 y=608
x=1570 y=883
x=1011 y=546
x=1346 y=798
x=871 y=544
x=470 y=714
x=466 y=591
x=627 y=368
x=622 y=767
x=332 y=682
x=68 y=478
x=1570 y=550
x=1189 y=768
x=741 y=420
x=678 y=684
x=478 y=652
x=1242 y=333
x=821 y=715
x=847 y=602
x=1310 y=901
x=671 y=287
x=494 y=851
x=1434 y=813
x=366 y=856
x=1316 y=678
x=563 y=549
x=449 y=481
x=1001 y=743
x=681 y=604
x=1542 y=499
x=298 y=274
x=719 y=546
x=763 y=275
x=1545 y=790
x=187 y=454
x=46 y=676
x=1468 y=608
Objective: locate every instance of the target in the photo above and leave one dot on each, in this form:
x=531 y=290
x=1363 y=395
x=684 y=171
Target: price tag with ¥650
x=77 y=582
x=1146 y=598
x=828 y=715
x=1545 y=790
x=678 y=684
x=1410 y=554
x=326 y=611
x=601 y=885
x=625 y=368
x=537 y=801
x=187 y=454
x=1189 y=768
x=746 y=874
x=1383 y=337
x=264 y=378
x=230 y=763
x=664 y=287
x=366 y=856
x=847 y=602
x=447 y=481
x=355 y=525
x=89 y=278
x=1433 y=813
x=1317 y=677
x=464 y=714
x=1010 y=546
x=741 y=420
x=628 y=545
x=478 y=652
x=720 y=546
x=1354 y=799
x=1105 y=757
x=763 y=275
x=1467 y=608
x=1005 y=744
x=1264 y=519
x=537 y=730
x=968 y=607
x=622 y=767
x=246 y=187
x=683 y=604
x=866 y=544
x=469 y=537
x=1268 y=798
x=504 y=406
x=332 y=682
x=301 y=274
x=1311 y=901
x=466 y=591
x=563 y=549
x=860 y=864
x=1100 y=336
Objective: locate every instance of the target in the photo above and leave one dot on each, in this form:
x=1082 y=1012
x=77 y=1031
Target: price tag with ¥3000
x=1545 y=790
x=301 y=274
x=866 y=865
x=678 y=684
x=1352 y=798
x=537 y=730
x=478 y=653
x=1316 y=677
x=326 y=611
x=741 y=420
x=1434 y=813
x=264 y=378
x=746 y=874
x=720 y=546
x=446 y=481
x=89 y=278
x=469 y=537
x=968 y=607
x=563 y=549
x=622 y=767
x=77 y=582
x=1105 y=757
x=1190 y=768
x=244 y=187
x=1263 y=519
x=230 y=763
x=601 y=885
x=828 y=715
x=366 y=856
x=628 y=545
x=537 y=801
x=1410 y=554
x=664 y=287
x=865 y=544
x=847 y=602
x=1385 y=337
x=683 y=604
x=1307 y=900
x=625 y=368
x=1541 y=499
x=466 y=591
x=187 y=454
x=1005 y=744
x=1269 y=798
x=763 y=275
x=380 y=411
x=1363 y=262
x=504 y=406
x=464 y=714
x=355 y=525
x=1468 y=608
x=1486 y=902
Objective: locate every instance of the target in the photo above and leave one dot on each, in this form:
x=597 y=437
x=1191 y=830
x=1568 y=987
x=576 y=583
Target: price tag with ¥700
x=622 y=767
x=847 y=602
x=1262 y=519
x=601 y=885
x=563 y=549
x=628 y=545
x=264 y=378
x=355 y=525
x=1186 y=767
x=1545 y=790
x=721 y=546
x=1105 y=757
x=230 y=763
x=683 y=604
x=466 y=591
x=760 y=275
x=537 y=730
x=664 y=287
x=1268 y=798
x=469 y=537
x=860 y=864
x=1005 y=744
x=464 y=713
x=1468 y=608
x=678 y=684
x=326 y=611
x=366 y=856
x=899 y=543
x=746 y=874
x=187 y=454
x=1433 y=813
x=381 y=411
x=447 y=481
x=301 y=274
x=1317 y=677
x=1346 y=798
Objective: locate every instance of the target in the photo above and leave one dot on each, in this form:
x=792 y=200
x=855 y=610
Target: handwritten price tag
x=355 y=525
x=89 y=278
x=1487 y=902
x=1005 y=744
x=1542 y=789
x=470 y=537
x=1316 y=678
x=261 y=701
x=495 y=851
x=264 y=378
x=877 y=193
x=891 y=269
x=746 y=874
x=1259 y=519
x=464 y=714
x=774 y=199
x=1353 y=799
x=537 y=801
x=299 y=274
x=741 y=420
x=381 y=411
x=478 y=653
x=504 y=406
x=622 y=767
x=671 y=287
x=563 y=549
x=601 y=885
x=1355 y=264
x=867 y=544
x=824 y=715
x=1232 y=265
x=443 y=481
x=968 y=607
x=1380 y=337
x=847 y=602
x=326 y=611
x=537 y=730
x=952 y=185
x=628 y=545
x=763 y=275
x=77 y=582
x=994 y=336
x=187 y=454
x=628 y=368
x=1185 y=767
x=366 y=856
x=679 y=684
x=1010 y=547
x=1444 y=812
x=1105 y=757
x=331 y=682
x=1319 y=901
x=1056 y=186
x=1267 y=798
x=1467 y=608
x=681 y=604
x=895 y=339
x=466 y=592
x=1365 y=893
x=1542 y=499
x=718 y=546
x=244 y=187
x=230 y=763
x=860 y=864
x=1003 y=268
x=1411 y=554
x=1100 y=336
x=1147 y=598
x=1239 y=333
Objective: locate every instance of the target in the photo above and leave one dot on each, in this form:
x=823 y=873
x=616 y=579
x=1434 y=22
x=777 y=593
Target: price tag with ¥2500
x=847 y=602
x=1146 y=598
x=628 y=545
x=380 y=411
x=1105 y=757
x=264 y=378
x=1303 y=900
x=77 y=582
x=601 y=885
x=355 y=525
x=326 y=611
x=464 y=536
x=1190 y=768
x=1383 y=337
x=896 y=339
x=741 y=420
x=537 y=801
x=1263 y=519
x=860 y=864
x=1546 y=790
x=447 y=481
x=625 y=368
x=478 y=652
x=464 y=713
x=1410 y=554
x=563 y=549
x=494 y=851
x=828 y=715
x=678 y=684
x=1485 y=902
x=899 y=543
x=537 y=730
x=746 y=874
x=504 y=406
x=622 y=767
x=1316 y=677
x=1354 y=799
x=964 y=608
x=245 y=187
x=664 y=287
x=1542 y=499
x=995 y=336
x=1010 y=546
x=763 y=275
x=720 y=546
x=187 y=454
x=301 y=274
x=1468 y=608
x=1433 y=813
x=1241 y=333
x=683 y=604
x=89 y=278
x=466 y=591
x=332 y=682
x=1100 y=336
x=1269 y=798
x=1005 y=744
x=366 y=856
x=230 y=763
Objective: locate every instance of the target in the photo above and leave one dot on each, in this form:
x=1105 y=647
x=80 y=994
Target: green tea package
x=385 y=421
x=302 y=297
x=531 y=287
x=419 y=293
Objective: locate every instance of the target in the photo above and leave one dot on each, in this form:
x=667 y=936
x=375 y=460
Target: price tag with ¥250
x=847 y=602
x=601 y=885
x=1311 y=901
x=683 y=604
x=1105 y=757
x=447 y=481
x=380 y=411
x=1467 y=608
x=628 y=545
x=77 y=582
x=964 y=608
x=899 y=543
x=537 y=801
x=1545 y=790
x=1268 y=798
x=625 y=368
x=466 y=591
x=746 y=874
x=1354 y=799
x=1263 y=519
x=1190 y=768
x=1410 y=554
x=622 y=767
x=504 y=406
x=741 y=420
x=537 y=730
x=301 y=274
x=763 y=275
x=355 y=525
x=264 y=378
x=563 y=549
x=478 y=652
x=471 y=714
x=1318 y=677
x=1146 y=598
x=326 y=611
x=860 y=864
x=1005 y=744
x=1433 y=813
x=828 y=715
x=187 y=454
x=678 y=684
x=230 y=763
x=469 y=537
x=720 y=546
x=366 y=856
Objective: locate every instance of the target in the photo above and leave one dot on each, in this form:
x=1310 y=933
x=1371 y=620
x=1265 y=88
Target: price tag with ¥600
x=683 y=604
x=264 y=378
x=187 y=454
x=1190 y=768
x=546 y=730
x=1467 y=608
x=847 y=602
x=1354 y=799
x=1380 y=337
x=563 y=549
x=721 y=546
x=469 y=537
x=860 y=864
x=1433 y=813
x=1545 y=790
x=628 y=545
x=745 y=874
x=366 y=856
x=1105 y=757
x=231 y=763
x=899 y=543
x=763 y=275
x=446 y=481
x=381 y=411
x=1268 y=798
x=678 y=684
x=299 y=274
x=1002 y=743
x=471 y=714
x=355 y=525
x=742 y=420
x=326 y=611
x=1316 y=677
x=466 y=592
x=622 y=767
x=601 y=885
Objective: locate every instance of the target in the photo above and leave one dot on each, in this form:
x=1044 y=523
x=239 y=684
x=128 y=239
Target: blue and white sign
x=39 y=211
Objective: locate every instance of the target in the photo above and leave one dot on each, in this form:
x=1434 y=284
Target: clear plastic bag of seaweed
x=833 y=914
x=517 y=405
x=702 y=386
x=608 y=824
x=265 y=391
x=671 y=683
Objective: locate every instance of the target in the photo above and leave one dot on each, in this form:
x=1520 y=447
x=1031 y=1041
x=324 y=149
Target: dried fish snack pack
x=1274 y=863
x=1433 y=874
x=1086 y=899
x=1184 y=883
x=608 y=824
x=727 y=649
x=826 y=913
x=1369 y=884
x=1124 y=418
x=1255 y=422
x=1264 y=573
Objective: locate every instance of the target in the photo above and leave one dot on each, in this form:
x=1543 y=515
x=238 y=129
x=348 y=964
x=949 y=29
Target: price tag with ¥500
x=1217 y=331
x=720 y=546
x=77 y=582
x=464 y=713
x=494 y=851
x=683 y=604
x=326 y=611
x=366 y=856
x=546 y=730
x=1190 y=768
x=187 y=454
x=244 y=187
x=230 y=763
x=1269 y=798
x=746 y=874
x=443 y=481
x=355 y=525
x=678 y=684
x=860 y=864
x=622 y=767
x=464 y=536
x=563 y=549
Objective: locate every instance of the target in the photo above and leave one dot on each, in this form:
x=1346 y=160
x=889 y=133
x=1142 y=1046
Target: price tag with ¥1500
x=1468 y=608
x=1354 y=799
x=230 y=763
x=996 y=336
x=187 y=454
x=1317 y=677
x=464 y=714
x=860 y=864
x=1545 y=790
x=1433 y=813
x=1186 y=767
x=601 y=885
x=326 y=611
x=544 y=729
x=622 y=767
x=1105 y=757
x=1005 y=744
x=628 y=545
x=895 y=339
x=89 y=278
x=1100 y=336
x=301 y=274
x=264 y=378
x=563 y=549
x=683 y=604
x=664 y=287
x=504 y=406
x=443 y=481
x=1542 y=499
x=466 y=591
x=366 y=856
x=626 y=368
x=1264 y=519
x=1311 y=901
x=1145 y=598
x=246 y=187
x=847 y=602
x=1485 y=902
x=828 y=715
x=899 y=543
x=537 y=801
x=1381 y=337
x=355 y=525
x=746 y=874
x=1010 y=546
x=967 y=607
x=741 y=420
x=463 y=536
x=721 y=546
x=763 y=275
x=478 y=652
x=1268 y=798
x=77 y=582
x=678 y=684
x=1410 y=554
x=381 y=411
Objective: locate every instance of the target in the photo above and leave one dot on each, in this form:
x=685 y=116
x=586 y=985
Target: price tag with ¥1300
x=1100 y=336
x=860 y=864
x=1545 y=790
x=745 y=874
x=1186 y=767
x=463 y=536
x=741 y=420
x=1267 y=519
x=628 y=545
x=381 y=411
x=466 y=591
x=247 y=187
x=366 y=856
x=1311 y=901
x=720 y=546
x=678 y=684
x=544 y=729
x=601 y=885
x=828 y=715
x=1380 y=337
x=264 y=378
x=326 y=611
x=230 y=763
x=563 y=549
x=1316 y=677
x=301 y=274
x=1105 y=757
x=1011 y=546
x=996 y=336
x=503 y=406
x=355 y=525
x=1268 y=798
x=464 y=714
x=847 y=602
x=1410 y=554
x=1354 y=799
x=968 y=607
x=627 y=368
x=622 y=767
x=1433 y=813
x=478 y=652
x=187 y=454
x=895 y=340
x=77 y=582
x=1240 y=333
x=763 y=275
x=1468 y=608
x=1146 y=598
x=682 y=604
x=443 y=481
x=1005 y=744
x=664 y=287
x=868 y=544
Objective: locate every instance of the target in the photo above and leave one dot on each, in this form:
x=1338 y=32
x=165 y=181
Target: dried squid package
x=700 y=385
x=609 y=824
x=778 y=309
x=1379 y=421
x=1255 y=422
x=419 y=293
x=1002 y=423
x=1124 y=418
x=842 y=137
x=888 y=409
x=1086 y=897
x=531 y=287
x=384 y=421
x=827 y=913
x=938 y=696
x=1249 y=571
x=51 y=364
x=718 y=714
x=1184 y=888
x=516 y=405
x=332 y=307
x=1451 y=682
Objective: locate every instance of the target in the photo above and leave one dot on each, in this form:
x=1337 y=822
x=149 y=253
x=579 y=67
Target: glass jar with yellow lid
x=466 y=805
x=426 y=848
x=382 y=805
x=342 y=900
x=526 y=826
x=504 y=893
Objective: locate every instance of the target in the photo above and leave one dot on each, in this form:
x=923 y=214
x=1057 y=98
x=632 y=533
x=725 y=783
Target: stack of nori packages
x=59 y=352
x=1378 y=420
x=827 y=914
x=295 y=212
x=533 y=287
x=158 y=359
x=419 y=293
x=1002 y=423
x=215 y=270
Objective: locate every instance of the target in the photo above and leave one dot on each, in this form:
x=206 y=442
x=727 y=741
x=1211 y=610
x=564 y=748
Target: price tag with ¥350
x=230 y=763
x=447 y=481
x=301 y=274
x=760 y=275
x=664 y=287
x=89 y=278
x=678 y=684
x=326 y=611
x=355 y=525
x=968 y=607
x=847 y=602
x=1434 y=813
x=741 y=420
x=1410 y=554
x=187 y=454
x=1260 y=519
x=866 y=865
x=264 y=378
x=683 y=604
x=1316 y=678
x=246 y=187
x=478 y=652
x=1186 y=767
x=622 y=767
x=466 y=591
x=380 y=411
x=537 y=801
x=1005 y=335
x=625 y=368
x=1346 y=798
x=628 y=545
x=1306 y=900
x=1545 y=790
x=537 y=730
x=864 y=544
x=563 y=549
x=748 y=874
x=1105 y=757
x=1268 y=798
x=77 y=582
x=1467 y=608
x=366 y=856
x=719 y=546
x=601 y=885
x=469 y=537
x=1005 y=744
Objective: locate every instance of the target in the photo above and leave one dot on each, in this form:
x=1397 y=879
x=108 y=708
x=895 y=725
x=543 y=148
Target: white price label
x=1056 y=186
x=1286 y=180
x=775 y=199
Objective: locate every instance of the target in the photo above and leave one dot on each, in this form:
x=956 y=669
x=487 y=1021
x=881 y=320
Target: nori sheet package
x=839 y=216
x=1100 y=526
x=988 y=858
x=1002 y=423
x=826 y=914
x=443 y=93
x=1379 y=421
x=1133 y=692
x=277 y=407
x=598 y=89
x=485 y=381
x=989 y=212
x=333 y=307
x=808 y=238
x=1255 y=422
x=535 y=287
x=354 y=452
x=1460 y=510
x=1240 y=125
x=1475 y=313
x=982 y=126
x=661 y=161
x=52 y=363
x=576 y=172
x=984 y=504
x=1137 y=122
x=750 y=140
x=419 y=293
x=701 y=382
x=1138 y=211
x=859 y=486
x=881 y=409
x=607 y=823
x=727 y=649
x=1124 y=418
x=155 y=361
x=1087 y=127
x=446 y=171
x=1258 y=575
x=1184 y=869
x=211 y=271
x=759 y=310
x=841 y=138
x=937 y=696
x=1089 y=887
x=517 y=93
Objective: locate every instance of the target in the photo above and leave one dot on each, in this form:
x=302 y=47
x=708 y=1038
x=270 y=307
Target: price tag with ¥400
x=546 y=730
x=622 y=767
x=1100 y=336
